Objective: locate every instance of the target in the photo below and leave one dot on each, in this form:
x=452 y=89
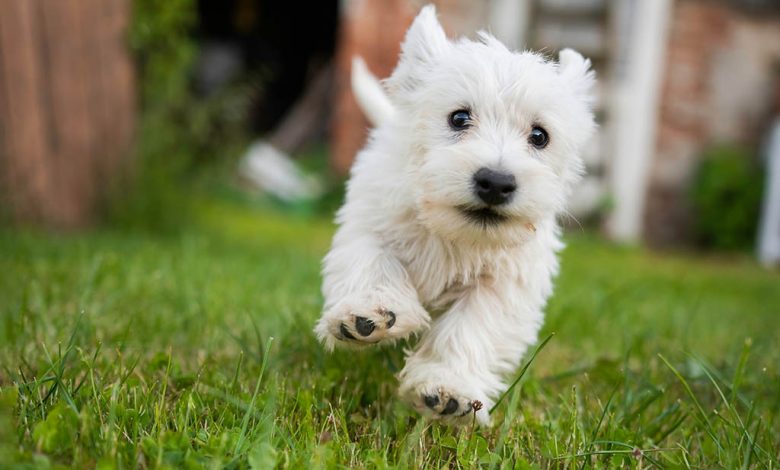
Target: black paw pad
x=364 y=326
x=345 y=332
x=452 y=405
x=431 y=400
x=391 y=319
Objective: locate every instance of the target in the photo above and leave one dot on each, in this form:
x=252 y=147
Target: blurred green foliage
x=726 y=197
x=181 y=135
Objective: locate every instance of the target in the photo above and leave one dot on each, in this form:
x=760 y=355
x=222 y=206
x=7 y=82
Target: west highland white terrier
x=449 y=227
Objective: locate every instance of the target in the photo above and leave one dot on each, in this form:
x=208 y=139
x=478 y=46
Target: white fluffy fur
x=475 y=292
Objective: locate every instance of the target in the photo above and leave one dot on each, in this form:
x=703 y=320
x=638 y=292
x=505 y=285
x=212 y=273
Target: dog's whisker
x=571 y=216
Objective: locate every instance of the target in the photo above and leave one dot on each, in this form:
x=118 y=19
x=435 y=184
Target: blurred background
x=129 y=114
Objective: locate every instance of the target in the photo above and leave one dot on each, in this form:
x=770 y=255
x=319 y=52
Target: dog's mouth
x=484 y=216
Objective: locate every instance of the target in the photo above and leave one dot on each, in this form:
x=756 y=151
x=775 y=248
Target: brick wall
x=373 y=30
x=717 y=87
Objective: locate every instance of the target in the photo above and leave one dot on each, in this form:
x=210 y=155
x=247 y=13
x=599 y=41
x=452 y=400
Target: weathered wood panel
x=67 y=106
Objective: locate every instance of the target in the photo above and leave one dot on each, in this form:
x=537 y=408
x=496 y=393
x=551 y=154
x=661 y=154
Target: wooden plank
x=67 y=105
x=24 y=120
x=117 y=85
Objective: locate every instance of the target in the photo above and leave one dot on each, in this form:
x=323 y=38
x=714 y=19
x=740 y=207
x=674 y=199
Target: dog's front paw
x=443 y=402
x=444 y=396
x=369 y=319
x=369 y=326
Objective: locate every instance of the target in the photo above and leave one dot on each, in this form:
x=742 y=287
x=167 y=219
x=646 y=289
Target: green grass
x=130 y=350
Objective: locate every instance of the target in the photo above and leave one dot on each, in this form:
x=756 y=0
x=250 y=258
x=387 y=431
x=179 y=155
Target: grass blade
x=245 y=423
x=522 y=371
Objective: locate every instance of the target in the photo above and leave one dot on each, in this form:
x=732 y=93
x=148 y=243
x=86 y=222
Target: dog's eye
x=460 y=120
x=538 y=137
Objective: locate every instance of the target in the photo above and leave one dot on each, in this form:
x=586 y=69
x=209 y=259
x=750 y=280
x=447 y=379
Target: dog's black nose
x=493 y=187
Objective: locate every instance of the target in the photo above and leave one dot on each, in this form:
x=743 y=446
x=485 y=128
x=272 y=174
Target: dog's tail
x=369 y=94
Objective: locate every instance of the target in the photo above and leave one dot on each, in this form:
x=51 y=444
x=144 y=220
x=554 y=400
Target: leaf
x=262 y=456
x=58 y=432
x=8 y=399
x=449 y=442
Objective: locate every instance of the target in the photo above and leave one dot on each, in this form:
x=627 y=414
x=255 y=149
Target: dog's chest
x=441 y=273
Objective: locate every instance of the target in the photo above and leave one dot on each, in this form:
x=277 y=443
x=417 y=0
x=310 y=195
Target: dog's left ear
x=575 y=70
x=425 y=38
x=424 y=42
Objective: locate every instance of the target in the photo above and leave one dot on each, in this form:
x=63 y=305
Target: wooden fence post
x=67 y=107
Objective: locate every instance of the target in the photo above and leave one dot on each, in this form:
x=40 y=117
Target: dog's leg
x=469 y=351
x=368 y=297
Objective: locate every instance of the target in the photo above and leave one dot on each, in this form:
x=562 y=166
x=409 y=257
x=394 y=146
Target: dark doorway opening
x=283 y=43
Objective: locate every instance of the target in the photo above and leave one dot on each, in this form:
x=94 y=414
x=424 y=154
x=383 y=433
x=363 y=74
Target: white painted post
x=769 y=228
x=634 y=114
x=509 y=21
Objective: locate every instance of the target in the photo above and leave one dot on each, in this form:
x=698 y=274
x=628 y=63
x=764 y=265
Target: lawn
x=196 y=350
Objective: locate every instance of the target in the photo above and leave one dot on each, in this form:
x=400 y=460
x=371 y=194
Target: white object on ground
x=769 y=227
x=276 y=173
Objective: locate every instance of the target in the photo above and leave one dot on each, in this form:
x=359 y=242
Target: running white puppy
x=449 y=227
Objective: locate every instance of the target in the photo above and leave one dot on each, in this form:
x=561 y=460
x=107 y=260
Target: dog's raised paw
x=367 y=329
x=370 y=318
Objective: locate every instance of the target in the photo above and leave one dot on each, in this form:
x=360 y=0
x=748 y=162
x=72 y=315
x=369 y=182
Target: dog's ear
x=576 y=71
x=424 y=41
x=425 y=38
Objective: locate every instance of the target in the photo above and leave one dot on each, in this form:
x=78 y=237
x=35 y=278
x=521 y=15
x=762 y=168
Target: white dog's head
x=494 y=135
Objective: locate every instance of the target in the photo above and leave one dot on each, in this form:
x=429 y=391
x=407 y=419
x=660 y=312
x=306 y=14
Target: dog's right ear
x=577 y=72
x=424 y=41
